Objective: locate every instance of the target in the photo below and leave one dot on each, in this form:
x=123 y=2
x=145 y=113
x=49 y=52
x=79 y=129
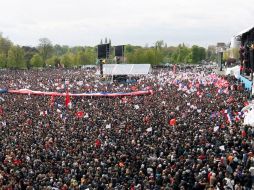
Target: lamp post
x=220 y=59
x=155 y=53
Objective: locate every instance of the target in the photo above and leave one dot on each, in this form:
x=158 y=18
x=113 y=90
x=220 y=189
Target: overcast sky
x=138 y=22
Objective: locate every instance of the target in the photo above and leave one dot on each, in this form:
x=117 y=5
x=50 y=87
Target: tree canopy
x=47 y=54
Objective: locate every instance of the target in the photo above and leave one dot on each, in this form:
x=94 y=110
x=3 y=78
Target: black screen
x=119 y=51
x=103 y=51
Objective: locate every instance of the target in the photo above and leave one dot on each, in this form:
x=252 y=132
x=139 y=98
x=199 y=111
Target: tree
x=85 y=57
x=16 y=58
x=68 y=60
x=198 y=54
x=60 y=50
x=46 y=49
x=3 y=60
x=29 y=52
x=226 y=55
x=195 y=54
x=53 y=61
x=211 y=53
x=182 y=53
x=36 y=61
x=159 y=44
x=235 y=53
x=5 y=45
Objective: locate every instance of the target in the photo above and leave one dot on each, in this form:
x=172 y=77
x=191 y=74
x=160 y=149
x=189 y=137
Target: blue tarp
x=247 y=82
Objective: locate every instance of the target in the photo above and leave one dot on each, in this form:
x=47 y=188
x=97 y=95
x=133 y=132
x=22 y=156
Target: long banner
x=105 y=94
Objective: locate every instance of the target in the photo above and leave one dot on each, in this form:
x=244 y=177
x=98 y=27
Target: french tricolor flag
x=43 y=113
x=229 y=118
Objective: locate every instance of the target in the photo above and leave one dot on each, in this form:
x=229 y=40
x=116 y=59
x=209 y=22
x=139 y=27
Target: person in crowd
x=187 y=134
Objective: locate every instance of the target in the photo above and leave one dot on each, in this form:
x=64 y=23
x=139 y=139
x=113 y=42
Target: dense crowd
x=188 y=134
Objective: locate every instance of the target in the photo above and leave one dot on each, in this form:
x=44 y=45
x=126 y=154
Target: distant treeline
x=46 y=54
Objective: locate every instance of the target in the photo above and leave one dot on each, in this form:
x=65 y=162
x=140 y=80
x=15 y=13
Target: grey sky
x=139 y=22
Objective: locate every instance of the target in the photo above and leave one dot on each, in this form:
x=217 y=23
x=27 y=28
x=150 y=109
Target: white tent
x=249 y=115
x=235 y=71
x=126 y=69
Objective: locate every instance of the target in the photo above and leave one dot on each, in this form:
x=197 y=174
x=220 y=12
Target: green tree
x=198 y=54
x=45 y=48
x=235 y=53
x=68 y=60
x=181 y=54
x=60 y=50
x=29 y=52
x=53 y=61
x=5 y=45
x=3 y=60
x=81 y=58
x=195 y=54
x=36 y=61
x=211 y=53
x=226 y=55
x=159 y=44
x=16 y=58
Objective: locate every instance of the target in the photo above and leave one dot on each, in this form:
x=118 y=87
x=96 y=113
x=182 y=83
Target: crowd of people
x=187 y=134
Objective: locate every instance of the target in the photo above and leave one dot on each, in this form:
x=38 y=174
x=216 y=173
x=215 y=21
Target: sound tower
x=103 y=51
x=119 y=51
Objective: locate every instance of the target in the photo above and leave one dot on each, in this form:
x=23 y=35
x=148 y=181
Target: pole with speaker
x=103 y=52
x=119 y=53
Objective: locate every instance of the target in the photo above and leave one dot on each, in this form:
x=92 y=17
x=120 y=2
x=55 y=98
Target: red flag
x=16 y=162
x=80 y=114
x=243 y=133
x=67 y=99
x=98 y=143
x=237 y=118
x=172 y=122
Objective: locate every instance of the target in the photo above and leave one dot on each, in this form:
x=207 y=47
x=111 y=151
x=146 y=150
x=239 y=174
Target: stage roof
x=244 y=31
x=126 y=69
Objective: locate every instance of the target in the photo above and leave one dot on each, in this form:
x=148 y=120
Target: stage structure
x=119 y=54
x=246 y=51
x=122 y=72
x=126 y=69
x=103 y=52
